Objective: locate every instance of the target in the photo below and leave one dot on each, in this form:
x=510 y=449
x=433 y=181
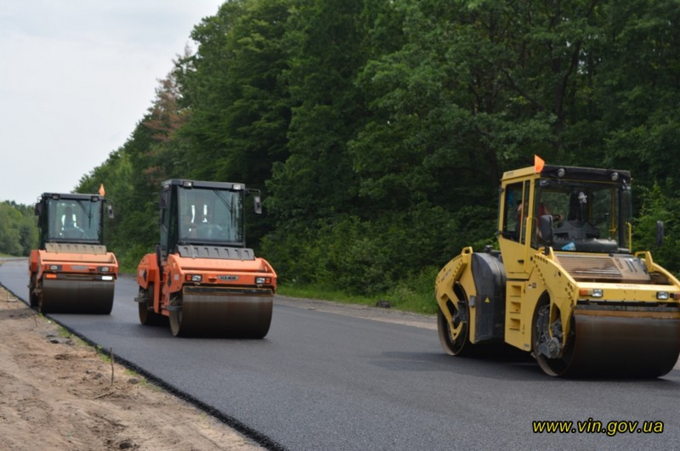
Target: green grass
x=127 y=269
x=414 y=294
x=102 y=353
x=324 y=294
x=63 y=332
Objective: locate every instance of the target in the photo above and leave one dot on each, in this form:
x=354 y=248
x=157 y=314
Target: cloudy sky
x=75 y=78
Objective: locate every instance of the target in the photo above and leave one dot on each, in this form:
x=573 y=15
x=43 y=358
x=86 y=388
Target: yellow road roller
x=564 y=284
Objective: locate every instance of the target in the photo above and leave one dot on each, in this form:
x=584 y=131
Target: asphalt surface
x=321 y=381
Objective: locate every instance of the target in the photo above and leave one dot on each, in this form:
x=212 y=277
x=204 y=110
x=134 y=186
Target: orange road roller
x=202 y=278
x=72 y=272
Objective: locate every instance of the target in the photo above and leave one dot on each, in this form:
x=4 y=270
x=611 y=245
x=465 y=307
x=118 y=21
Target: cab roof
x=72 y=196
x=571 y=173
x=201 y=184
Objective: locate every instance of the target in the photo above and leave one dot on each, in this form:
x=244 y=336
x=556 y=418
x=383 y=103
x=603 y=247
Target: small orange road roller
x=72 y=272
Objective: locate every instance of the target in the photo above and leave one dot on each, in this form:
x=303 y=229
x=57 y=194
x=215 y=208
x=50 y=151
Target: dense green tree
x=638 y=86
x=18 y=229
x=380 y=129
x=658 y=205
x=317 y=180
x=238 y=101
x=203 y=82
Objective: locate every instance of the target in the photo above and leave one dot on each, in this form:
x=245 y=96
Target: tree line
x=18 y=229
x=378 y=130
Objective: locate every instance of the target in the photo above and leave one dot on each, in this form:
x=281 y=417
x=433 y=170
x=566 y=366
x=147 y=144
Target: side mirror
x=257 y=204
x=109 y=211
x=38 y=209
x=659 y=233
x=545 y=228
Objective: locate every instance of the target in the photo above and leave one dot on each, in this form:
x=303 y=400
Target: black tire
x=558 y=367
x=34 y=299
x=176 y=323
x=456 y=341
x=149 y=317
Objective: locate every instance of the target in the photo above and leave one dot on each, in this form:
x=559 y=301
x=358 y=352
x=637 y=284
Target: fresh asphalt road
x=321 y=381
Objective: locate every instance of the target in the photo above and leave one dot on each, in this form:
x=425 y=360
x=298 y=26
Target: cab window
x=514 y=216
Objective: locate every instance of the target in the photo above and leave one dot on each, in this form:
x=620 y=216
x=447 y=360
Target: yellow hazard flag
x=538 y=163
x=102 y=191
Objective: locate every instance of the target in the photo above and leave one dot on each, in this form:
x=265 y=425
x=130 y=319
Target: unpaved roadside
x=57 y=393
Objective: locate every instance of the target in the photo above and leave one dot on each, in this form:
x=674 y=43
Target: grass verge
x=414 y=294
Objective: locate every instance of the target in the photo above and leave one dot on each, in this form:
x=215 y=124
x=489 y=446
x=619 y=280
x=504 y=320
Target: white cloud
x=76 y=76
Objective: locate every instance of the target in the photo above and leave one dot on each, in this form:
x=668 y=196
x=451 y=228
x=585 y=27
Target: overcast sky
x=75 y=78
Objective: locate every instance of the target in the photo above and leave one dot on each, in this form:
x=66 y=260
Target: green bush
x=659 y=204
x=365 y=257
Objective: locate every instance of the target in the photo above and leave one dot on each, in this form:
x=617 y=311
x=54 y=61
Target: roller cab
x=202 y=279
x=564 y=284
x=72 y=272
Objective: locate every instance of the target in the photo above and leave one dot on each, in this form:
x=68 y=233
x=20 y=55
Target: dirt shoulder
x=57 y=393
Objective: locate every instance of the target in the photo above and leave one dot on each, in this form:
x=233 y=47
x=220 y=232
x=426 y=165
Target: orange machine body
x=215 y=274
x=73 y=265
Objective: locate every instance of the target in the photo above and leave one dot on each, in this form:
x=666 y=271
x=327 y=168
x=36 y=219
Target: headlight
x=55 y=267
x=259 y=280
x=103 y=269
x=193 y=278
x=662 y=295
x=594 y=293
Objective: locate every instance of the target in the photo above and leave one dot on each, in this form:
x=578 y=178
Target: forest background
x=378 y=130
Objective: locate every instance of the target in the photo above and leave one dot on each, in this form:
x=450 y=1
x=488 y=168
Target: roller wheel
x=149 y=317
x=176 y=323
x=454 y=340
x=41 y=305
x=33 y=298
x=552 y=367
x=175 y=319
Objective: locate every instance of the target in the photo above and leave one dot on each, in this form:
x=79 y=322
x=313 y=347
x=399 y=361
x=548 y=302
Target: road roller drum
x=618 y=347
x=76 y=296
x=222 y=314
